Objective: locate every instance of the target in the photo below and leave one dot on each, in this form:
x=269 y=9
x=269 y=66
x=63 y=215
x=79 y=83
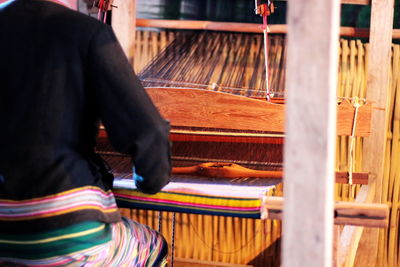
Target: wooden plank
x=210 y=109
x=241 y=27
x=358 y=177
x=345 y=120
x=363 y=32
x=350 y=236
x=336 y=244
x=124 y=25
x=379 y=63
x=356 y=2
x=205 y=25
x=352 y=2
x=345 y=213
x=363 y=214
x=178 y=135
x=313 y=32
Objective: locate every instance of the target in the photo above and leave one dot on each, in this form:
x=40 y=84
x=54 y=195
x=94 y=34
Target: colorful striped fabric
x=136 y=245
x=126 y=243
x=44 y=249
x=212 y=199
x=83 y=198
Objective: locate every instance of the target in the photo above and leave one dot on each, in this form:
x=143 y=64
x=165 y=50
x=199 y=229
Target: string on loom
x=224 y=62
x=103 y=6
x=102 y=15
x=265 y=34
x=211 y=87
x=173 y=240
x=159 y=221
x=251 y=239
x=356 y=104
x=227 y=62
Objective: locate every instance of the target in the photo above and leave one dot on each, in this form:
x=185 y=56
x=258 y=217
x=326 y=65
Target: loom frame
x=382 y=12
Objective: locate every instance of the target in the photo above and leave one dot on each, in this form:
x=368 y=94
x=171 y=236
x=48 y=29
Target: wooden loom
x=255 y=119
x=220 y=126
x=375 y=144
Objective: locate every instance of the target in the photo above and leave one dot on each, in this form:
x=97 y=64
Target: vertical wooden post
x=313 y=32
x=124 y=25
x=336 y=245
x=380 y=44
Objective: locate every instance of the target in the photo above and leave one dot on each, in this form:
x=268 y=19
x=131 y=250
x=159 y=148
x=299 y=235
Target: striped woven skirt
x=126 y=243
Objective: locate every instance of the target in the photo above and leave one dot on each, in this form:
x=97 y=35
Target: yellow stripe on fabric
x=57 y=195
x=196 y=208
x=179 y=193
x=51 y=214
x=52 y=239
x=191 y=199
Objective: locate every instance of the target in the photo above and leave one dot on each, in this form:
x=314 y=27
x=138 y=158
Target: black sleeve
x=133 y=124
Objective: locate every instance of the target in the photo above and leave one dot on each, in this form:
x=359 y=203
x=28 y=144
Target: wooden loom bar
x=241 y=27
x=313 y=31
x=379 y=63
x=356 y=2
x=230 y=170
x=351 y=2
x=124 y=25
x=210 y=109
x=224 y=137
x=345 y=213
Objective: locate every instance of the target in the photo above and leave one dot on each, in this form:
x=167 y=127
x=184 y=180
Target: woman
x=60 y=72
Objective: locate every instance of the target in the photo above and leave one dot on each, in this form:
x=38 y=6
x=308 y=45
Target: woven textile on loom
x=198 y=198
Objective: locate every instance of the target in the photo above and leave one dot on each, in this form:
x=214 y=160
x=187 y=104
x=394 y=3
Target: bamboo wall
x=352 y=82
x=255 y=242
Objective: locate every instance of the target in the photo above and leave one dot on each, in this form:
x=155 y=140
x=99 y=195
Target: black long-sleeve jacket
x=60 y=73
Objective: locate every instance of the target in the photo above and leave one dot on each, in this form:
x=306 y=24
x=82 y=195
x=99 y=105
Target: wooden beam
x=313 y=32
x=352 y=2
x=345 y=213
x=363 y=32
x=234 y=171
x=211 y=109
x=356 y=2
x=241 y=27
x=206 y=25
x=379 y=63
x=124 y=25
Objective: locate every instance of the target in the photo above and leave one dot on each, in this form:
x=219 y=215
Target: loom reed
x=231 y=63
